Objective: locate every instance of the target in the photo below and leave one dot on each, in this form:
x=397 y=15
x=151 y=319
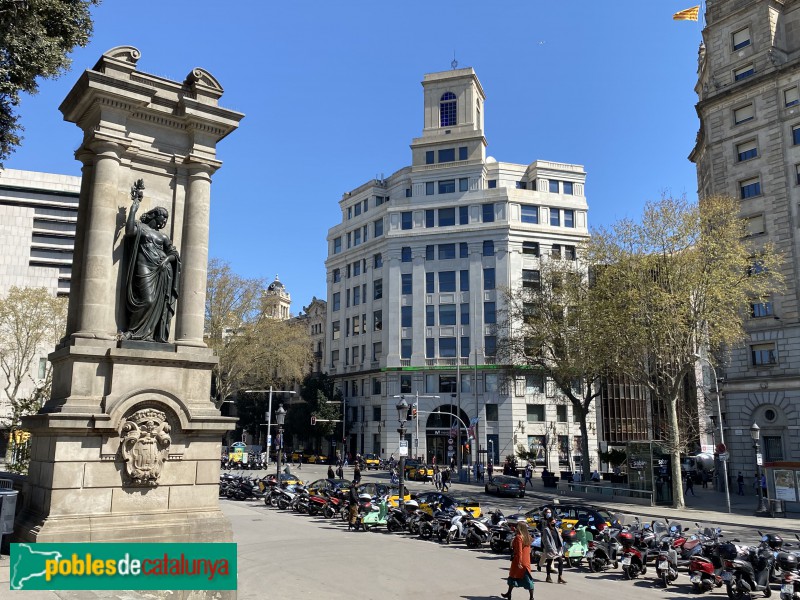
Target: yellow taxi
x=428 y=500
x=296 y=456
x=418 y=471
x=371 y=461
x=318 y=459
x=378 y=490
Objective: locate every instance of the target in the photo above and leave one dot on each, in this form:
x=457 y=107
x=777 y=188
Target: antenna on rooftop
x=454 y=64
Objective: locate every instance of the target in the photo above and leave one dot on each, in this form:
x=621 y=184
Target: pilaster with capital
x=94 y=313
x=192 y=299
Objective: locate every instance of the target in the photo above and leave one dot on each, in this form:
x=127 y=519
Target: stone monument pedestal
x=80 y=489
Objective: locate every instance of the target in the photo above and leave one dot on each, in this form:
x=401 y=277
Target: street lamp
x=402 y=412
x=280 y=416
x=714 y=419
x=755 y=433
x=269 y=414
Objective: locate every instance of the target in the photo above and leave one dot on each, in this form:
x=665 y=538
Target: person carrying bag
x=553 y=549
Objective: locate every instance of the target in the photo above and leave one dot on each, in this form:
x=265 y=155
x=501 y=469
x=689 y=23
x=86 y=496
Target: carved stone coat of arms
x=144 y=444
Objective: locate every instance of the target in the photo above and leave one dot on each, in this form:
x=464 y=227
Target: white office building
x=415 y=276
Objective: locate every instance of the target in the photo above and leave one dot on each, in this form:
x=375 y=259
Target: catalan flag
x=689 y=14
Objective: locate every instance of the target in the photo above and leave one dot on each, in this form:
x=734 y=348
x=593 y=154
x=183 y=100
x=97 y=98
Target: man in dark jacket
x=352 y=496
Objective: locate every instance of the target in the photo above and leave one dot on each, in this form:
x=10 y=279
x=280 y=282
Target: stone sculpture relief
x=153 y=273
x=144 y=445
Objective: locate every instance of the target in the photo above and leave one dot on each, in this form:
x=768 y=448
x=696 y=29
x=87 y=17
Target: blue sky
x=332 y=97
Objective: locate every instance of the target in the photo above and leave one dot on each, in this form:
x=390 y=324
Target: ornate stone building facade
x=748 y=147
x=415 y=274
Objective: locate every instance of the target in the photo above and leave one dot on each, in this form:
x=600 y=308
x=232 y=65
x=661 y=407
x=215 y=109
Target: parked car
x=333 y=486
x=319 y=459
x=505 y=485
x=372 y=461
x=573 y=515
x=418 y=471
x=428 y=500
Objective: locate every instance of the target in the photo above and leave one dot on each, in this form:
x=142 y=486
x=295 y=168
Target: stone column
x=194 y=257
x=95 y=307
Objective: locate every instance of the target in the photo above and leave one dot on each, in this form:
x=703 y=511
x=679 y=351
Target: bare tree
x=32 y=321
x=549 y=328
x=232 y=304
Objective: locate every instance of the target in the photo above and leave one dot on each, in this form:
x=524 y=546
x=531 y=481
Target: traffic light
x=466 y=447
x=313 y=420
x=414 y=410
x=410 y=413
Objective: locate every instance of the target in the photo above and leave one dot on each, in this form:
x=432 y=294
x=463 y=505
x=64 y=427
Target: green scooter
x=577 y=540
x=375 y=518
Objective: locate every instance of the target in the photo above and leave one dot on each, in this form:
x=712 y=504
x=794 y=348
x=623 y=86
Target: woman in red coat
x=519 y=575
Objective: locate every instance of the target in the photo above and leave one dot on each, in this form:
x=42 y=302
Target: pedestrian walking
x=452 y=463
x=519 y=573
x=553 y=549
x=480 y=472
x=445 y=480
x=705 y=477
x=740 y=483
x=330 y=472
x=490 y=470
x=357 y=474
x=528 y=475
x=689 y=485
x=340 y=472
x=394 y=480
x=437 y=477
x=352 y=522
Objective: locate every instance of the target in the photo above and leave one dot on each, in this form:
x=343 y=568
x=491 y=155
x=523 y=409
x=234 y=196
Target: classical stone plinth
x=79 y=488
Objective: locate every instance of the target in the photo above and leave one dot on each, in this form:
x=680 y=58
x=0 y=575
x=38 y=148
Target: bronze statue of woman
x=153 y=277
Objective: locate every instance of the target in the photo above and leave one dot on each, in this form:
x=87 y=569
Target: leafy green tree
x=32 y=321
x=319 y=398
x=36 y=37
x=682 y=278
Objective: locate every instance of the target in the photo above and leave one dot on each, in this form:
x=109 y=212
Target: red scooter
x=633 y=561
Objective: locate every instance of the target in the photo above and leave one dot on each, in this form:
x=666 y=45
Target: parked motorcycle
x=604 y=549
x=745 y=575
x=633 y=556
x=667 y=563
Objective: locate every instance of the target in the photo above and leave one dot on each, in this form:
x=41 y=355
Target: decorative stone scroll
x=144 y=445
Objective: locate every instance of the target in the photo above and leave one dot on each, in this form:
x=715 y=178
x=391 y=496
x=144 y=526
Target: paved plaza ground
x=286 y=555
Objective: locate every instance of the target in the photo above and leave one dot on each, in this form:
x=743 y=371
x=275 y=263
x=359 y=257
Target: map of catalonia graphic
x=29 y=564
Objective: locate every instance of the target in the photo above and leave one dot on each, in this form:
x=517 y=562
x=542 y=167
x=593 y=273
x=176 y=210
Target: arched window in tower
x=447 y=110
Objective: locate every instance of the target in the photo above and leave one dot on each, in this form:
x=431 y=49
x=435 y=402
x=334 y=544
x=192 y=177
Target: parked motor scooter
x=790 y=585
x=604 y=549
x=477 y=531
x=667 y=563
x=743 y=576
x=577 y=540
x=633 y=559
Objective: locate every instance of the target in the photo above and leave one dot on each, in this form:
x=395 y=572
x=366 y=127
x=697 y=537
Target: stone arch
x=440 y=417
x=773 y=411
x=150 y=397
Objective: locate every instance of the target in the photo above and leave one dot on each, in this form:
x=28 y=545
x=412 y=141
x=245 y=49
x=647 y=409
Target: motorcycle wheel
x=366 y=527
x=441 y=535
x=734 y=593
x=273 y=501
x=573 y=562
x=328 y=512
x=448 y=538
x=665 y=579
x=768 y=591
x=391 y=526
x=312 y=510
x=282 y=504
x=495 y=546
x=627 y=572
x=472 y=541
x=425 y=532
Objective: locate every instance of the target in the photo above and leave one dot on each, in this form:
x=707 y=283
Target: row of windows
x=363 y=206
x=356 y=268
x=745 y=113
x=446 y=155
x=448 y=347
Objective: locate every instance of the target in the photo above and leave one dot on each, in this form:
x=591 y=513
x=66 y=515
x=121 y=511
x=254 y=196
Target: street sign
x=333 y=444
x=450 y=441
x=451 y=453
x=721 y=449
x=416 y=443
x=759 y=459
x=269 y=441
x=403 y=447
